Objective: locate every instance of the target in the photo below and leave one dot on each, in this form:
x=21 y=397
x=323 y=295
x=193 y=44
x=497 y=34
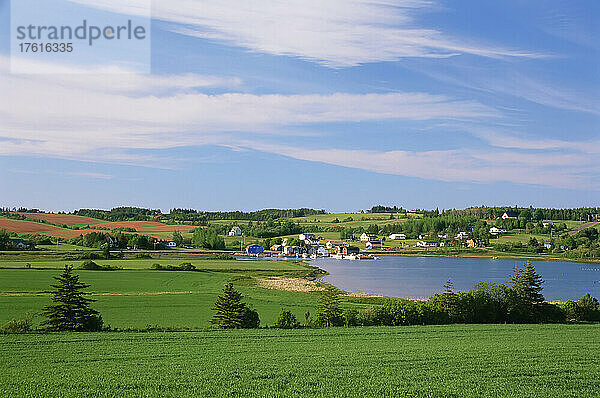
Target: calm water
x=420 y=277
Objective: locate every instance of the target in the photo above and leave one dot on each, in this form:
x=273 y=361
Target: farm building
x=373 y=245
x=509 y=215
x=19 y=243
x=397 y=237
x=254 y=249
x=276 y=248
x=346 y=250
x=235 y=231
x=497 y=231
x=427 y=244
x=462 y=235
x=332 y=245
x=309 y=239
x=365 y=237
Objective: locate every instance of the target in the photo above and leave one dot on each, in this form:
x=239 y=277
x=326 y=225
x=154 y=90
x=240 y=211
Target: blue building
x=254 y=249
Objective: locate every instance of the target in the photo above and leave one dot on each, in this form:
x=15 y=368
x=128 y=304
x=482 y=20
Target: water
x=420 y=277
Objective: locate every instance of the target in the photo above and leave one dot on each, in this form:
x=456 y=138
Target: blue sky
x=339 y=106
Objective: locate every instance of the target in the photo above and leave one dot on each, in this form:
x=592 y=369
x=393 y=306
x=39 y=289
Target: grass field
x=420 y=361
x=137 y=297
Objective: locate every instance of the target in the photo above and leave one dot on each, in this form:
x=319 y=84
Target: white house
x=365 y=237
x=506 y=216
x=548 y=223
x=171 y=244
x=309 y=239
x=427 y=244
x=235 y=231
x=462 y=235
x=397 y=237
x=321 y=251
x=497 y=231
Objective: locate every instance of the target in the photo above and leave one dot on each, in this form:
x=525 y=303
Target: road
x=584 y=226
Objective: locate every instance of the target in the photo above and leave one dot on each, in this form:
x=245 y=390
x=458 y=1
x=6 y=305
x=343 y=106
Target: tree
x=177 y=238
x=232 y=313
x=286 y=320
x=208 y=239
x=329 y=311
x=449 y=298
x=527 y=284
x=71 y=310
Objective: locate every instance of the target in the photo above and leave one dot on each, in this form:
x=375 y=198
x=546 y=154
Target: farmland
x=418 y=361
x=60 y=219
x=136 y=296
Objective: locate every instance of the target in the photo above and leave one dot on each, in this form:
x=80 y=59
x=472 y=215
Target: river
x=420 y=277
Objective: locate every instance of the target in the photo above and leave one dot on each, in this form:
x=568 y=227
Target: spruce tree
x=230 y=309
x=527 y=284
x=71 y=311
x=329 y=312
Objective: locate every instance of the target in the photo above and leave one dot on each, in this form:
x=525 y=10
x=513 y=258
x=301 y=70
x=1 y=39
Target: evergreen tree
x=449 y=298
x=71 y=310
x=329 y=312
x=230 y=309
x=527 y=284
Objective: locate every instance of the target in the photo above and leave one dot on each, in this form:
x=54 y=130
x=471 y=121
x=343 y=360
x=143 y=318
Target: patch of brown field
x=22 y=226
x=67 y=219
x=129 y=224
x=290 y=284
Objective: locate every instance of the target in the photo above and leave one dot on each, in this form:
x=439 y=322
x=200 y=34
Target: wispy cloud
x=574 y=171
x=66 y=115
x=335 y=33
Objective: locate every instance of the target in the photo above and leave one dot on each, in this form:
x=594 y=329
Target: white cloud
x=75 y=115
x=575 y=171
x=336 y=33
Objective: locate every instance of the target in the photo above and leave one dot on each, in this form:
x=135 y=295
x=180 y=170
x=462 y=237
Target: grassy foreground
x=420 y=361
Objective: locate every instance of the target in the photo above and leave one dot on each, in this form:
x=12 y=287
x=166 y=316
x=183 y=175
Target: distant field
x=22 y=226
x=67 y=219
x=419 y=361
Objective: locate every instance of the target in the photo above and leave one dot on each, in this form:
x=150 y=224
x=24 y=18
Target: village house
x=497 y=231
x=235 y=231
x=346 y=250
x=548 y=223
x=309 y=239
x=276 y=248
x=373 y=245
x=254 y=249
x=171 y=244
x=397 y=237
x=509 y=216
x=548 y=244
x=18 y=243
x=365 y=237
x=332 y=245
x=291 y=250
x=423 y=243
x=462 y=235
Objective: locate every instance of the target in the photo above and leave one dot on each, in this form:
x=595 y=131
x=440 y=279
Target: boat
x=338 y=256
x=351 y=257
x=366 y=257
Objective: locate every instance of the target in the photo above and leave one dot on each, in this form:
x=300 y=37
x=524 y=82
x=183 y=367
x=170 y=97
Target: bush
x=286 y=320
x=180 y=267
x=22 y=325
x=89 y=265
x=250 y=319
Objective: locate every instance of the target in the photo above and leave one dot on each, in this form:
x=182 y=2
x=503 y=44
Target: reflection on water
x=420 y=277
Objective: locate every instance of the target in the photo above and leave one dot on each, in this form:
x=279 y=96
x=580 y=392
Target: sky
x=337 y=105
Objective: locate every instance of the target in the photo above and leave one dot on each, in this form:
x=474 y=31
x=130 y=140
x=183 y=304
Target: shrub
x=89 y=265
x=250 y=319
x=22 y=325
x=286 y=320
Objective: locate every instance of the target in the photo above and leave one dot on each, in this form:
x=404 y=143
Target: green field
x=419 y=361
x=137 y=297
